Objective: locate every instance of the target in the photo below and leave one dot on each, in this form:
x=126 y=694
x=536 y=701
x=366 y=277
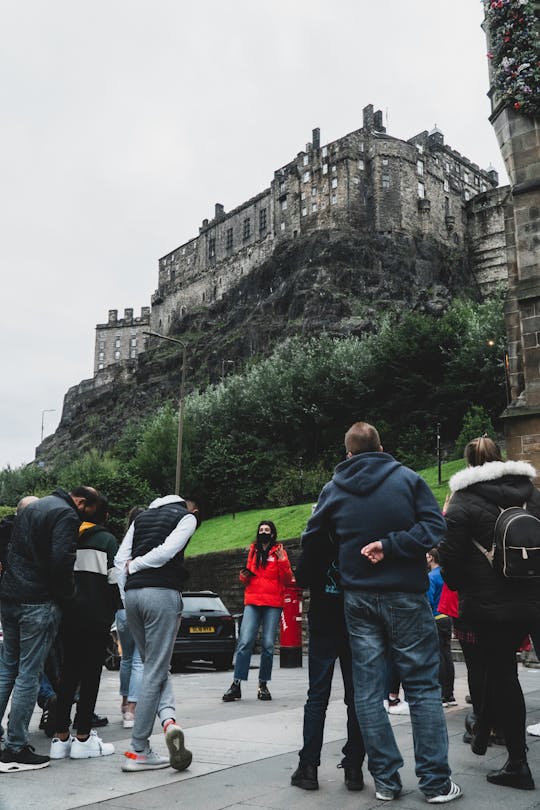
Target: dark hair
x=434 y=552
x=133 y=513
x=362 y=438
x=481 y=450
x=260 y=551
x=90 y=495
x=102 y=510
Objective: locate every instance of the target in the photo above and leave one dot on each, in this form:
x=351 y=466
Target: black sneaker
x=24 y=760
x=354 y=778
x=233 y=692
x=305 y=777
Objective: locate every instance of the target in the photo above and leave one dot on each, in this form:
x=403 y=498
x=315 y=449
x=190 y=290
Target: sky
x=125 y=121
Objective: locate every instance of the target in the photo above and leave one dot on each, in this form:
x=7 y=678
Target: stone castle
x=367 y=180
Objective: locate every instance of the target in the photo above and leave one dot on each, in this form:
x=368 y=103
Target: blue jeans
x=324 y=649
x=29 y=631
x=255 y=616
x=131 y=665
x=45 y=691
x=402 y=625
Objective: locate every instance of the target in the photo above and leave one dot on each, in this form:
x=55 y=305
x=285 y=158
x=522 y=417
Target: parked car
x=207 y=633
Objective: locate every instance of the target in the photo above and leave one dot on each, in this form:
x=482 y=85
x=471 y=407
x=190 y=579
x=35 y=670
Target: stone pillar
x=518 y=135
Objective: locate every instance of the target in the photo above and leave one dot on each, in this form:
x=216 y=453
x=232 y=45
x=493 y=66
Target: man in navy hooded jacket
x=384 y=519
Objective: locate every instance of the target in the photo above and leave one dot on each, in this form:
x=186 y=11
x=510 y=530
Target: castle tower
x=512 y=34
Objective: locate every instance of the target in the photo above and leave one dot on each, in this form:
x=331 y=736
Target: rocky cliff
x=336 y=282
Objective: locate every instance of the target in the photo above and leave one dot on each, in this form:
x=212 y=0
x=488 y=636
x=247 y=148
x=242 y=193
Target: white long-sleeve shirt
x=158 y=556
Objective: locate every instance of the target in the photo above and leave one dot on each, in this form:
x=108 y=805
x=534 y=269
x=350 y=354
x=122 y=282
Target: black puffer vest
x=152 y=527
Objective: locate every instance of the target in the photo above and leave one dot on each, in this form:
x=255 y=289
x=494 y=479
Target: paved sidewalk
x=245 y=752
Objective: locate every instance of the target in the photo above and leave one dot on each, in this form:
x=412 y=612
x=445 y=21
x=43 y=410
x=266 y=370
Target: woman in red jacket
x=265 y=576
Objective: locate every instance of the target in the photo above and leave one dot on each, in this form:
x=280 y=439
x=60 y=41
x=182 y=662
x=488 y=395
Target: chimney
x=145 y=313
x=316 y=138
x=219 y=211
x=113 y=316
x=493 y=175
x=128 y=314
x=378 y=122
x=367 y=113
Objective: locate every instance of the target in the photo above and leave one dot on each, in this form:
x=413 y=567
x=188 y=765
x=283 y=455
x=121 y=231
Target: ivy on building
x=515 y=52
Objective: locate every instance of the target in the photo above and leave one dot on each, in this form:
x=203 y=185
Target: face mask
x=264 y=538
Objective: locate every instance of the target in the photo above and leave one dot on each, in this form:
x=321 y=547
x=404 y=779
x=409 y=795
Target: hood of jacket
x=165 y=500
x=505 y=483
x=363 y=473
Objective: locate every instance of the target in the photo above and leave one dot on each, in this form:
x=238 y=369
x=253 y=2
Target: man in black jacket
x=37 y=579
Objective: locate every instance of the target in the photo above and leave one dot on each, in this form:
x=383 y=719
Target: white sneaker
x=92 y=747
x=179 y=756
x=401 y=708
x=128 y=719
x=454 y=792
x=148 y=760
x=60 y=749
x=534 y=730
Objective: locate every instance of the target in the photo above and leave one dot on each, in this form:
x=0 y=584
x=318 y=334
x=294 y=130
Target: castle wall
x=487 y=238
x=121 y=339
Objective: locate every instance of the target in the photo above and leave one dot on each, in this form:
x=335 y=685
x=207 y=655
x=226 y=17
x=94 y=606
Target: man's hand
x=373 y=551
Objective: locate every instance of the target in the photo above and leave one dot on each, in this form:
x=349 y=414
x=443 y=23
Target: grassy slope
x=227 y=532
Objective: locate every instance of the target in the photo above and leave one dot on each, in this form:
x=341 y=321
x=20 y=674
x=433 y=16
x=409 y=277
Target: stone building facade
x=367 y=181
x=120 y=339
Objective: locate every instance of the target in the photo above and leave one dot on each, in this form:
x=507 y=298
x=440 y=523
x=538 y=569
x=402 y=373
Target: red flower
x=517 y=105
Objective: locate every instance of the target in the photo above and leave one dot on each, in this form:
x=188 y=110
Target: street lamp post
x=47 y=410
x=225 y=363
x=181 y=405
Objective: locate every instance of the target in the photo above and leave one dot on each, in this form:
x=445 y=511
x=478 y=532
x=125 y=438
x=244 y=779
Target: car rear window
x=200 y=604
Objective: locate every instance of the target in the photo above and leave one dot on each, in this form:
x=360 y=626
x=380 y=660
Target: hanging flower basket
x=515 y=53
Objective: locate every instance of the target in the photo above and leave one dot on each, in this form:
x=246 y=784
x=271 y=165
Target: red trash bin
x=290 y=651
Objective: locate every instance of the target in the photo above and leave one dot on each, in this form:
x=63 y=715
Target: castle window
x=303 y=195
x=447 y=167
x=133 y=341
x=229 y=238
x=262 y=220
x=333 y=199
x=282 y=226
x=325 y=168
x=212 y=248
x=101 y=345
x=361 y=146
x=334 y=182
x=100 y=366
x=483 y=188
x=361 y=165
x=385 y=161
x=117 y=342
x=117 y=355
x=356 y=180
x=446 y=185
x=420 y=168
x=314 y=191
x=284 y=204
x=306 y=160
x=324 y=151
x=204 y=296
x=247 y=228
x=307 y=177
x=304 y=212
x=101 y=356
x=467 y=194
x=466 y=176
x=282 y=187
x=420 y=148
x=133 y=353
x=421 y=191
x=476 y=180
x=334 y=169
x=385 y=181
x=313 y=207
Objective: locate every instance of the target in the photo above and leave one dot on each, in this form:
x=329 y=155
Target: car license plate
x=206 y=629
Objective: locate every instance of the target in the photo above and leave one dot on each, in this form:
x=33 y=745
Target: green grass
x=239 y=531
x=225 y=532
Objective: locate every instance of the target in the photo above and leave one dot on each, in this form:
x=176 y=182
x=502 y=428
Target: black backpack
x=515 y=552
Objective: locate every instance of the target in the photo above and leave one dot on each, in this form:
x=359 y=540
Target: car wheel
x=112 y=659
x=223 y=662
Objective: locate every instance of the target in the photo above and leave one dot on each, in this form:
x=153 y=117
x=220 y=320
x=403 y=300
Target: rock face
x=336 y=282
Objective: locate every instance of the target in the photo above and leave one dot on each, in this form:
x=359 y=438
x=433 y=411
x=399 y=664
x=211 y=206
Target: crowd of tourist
x=391 y=580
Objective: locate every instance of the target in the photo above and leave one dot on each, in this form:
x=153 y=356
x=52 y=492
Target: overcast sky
x=124 y=121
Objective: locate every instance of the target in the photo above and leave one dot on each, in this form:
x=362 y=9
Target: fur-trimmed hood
x=490 y=471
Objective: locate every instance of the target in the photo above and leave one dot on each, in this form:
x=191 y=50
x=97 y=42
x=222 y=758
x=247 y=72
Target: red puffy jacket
x=268 y=585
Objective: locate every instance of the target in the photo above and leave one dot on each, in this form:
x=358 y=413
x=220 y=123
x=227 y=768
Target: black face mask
x=264 y=538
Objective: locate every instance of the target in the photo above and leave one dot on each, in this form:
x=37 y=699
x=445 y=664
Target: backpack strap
x=487 y=554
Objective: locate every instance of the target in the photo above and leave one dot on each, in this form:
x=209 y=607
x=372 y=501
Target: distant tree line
x=272 y=434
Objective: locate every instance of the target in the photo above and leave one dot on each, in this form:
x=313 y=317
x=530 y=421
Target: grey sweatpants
x=153 y=616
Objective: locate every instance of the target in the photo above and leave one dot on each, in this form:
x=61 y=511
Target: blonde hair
x=481 y=450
